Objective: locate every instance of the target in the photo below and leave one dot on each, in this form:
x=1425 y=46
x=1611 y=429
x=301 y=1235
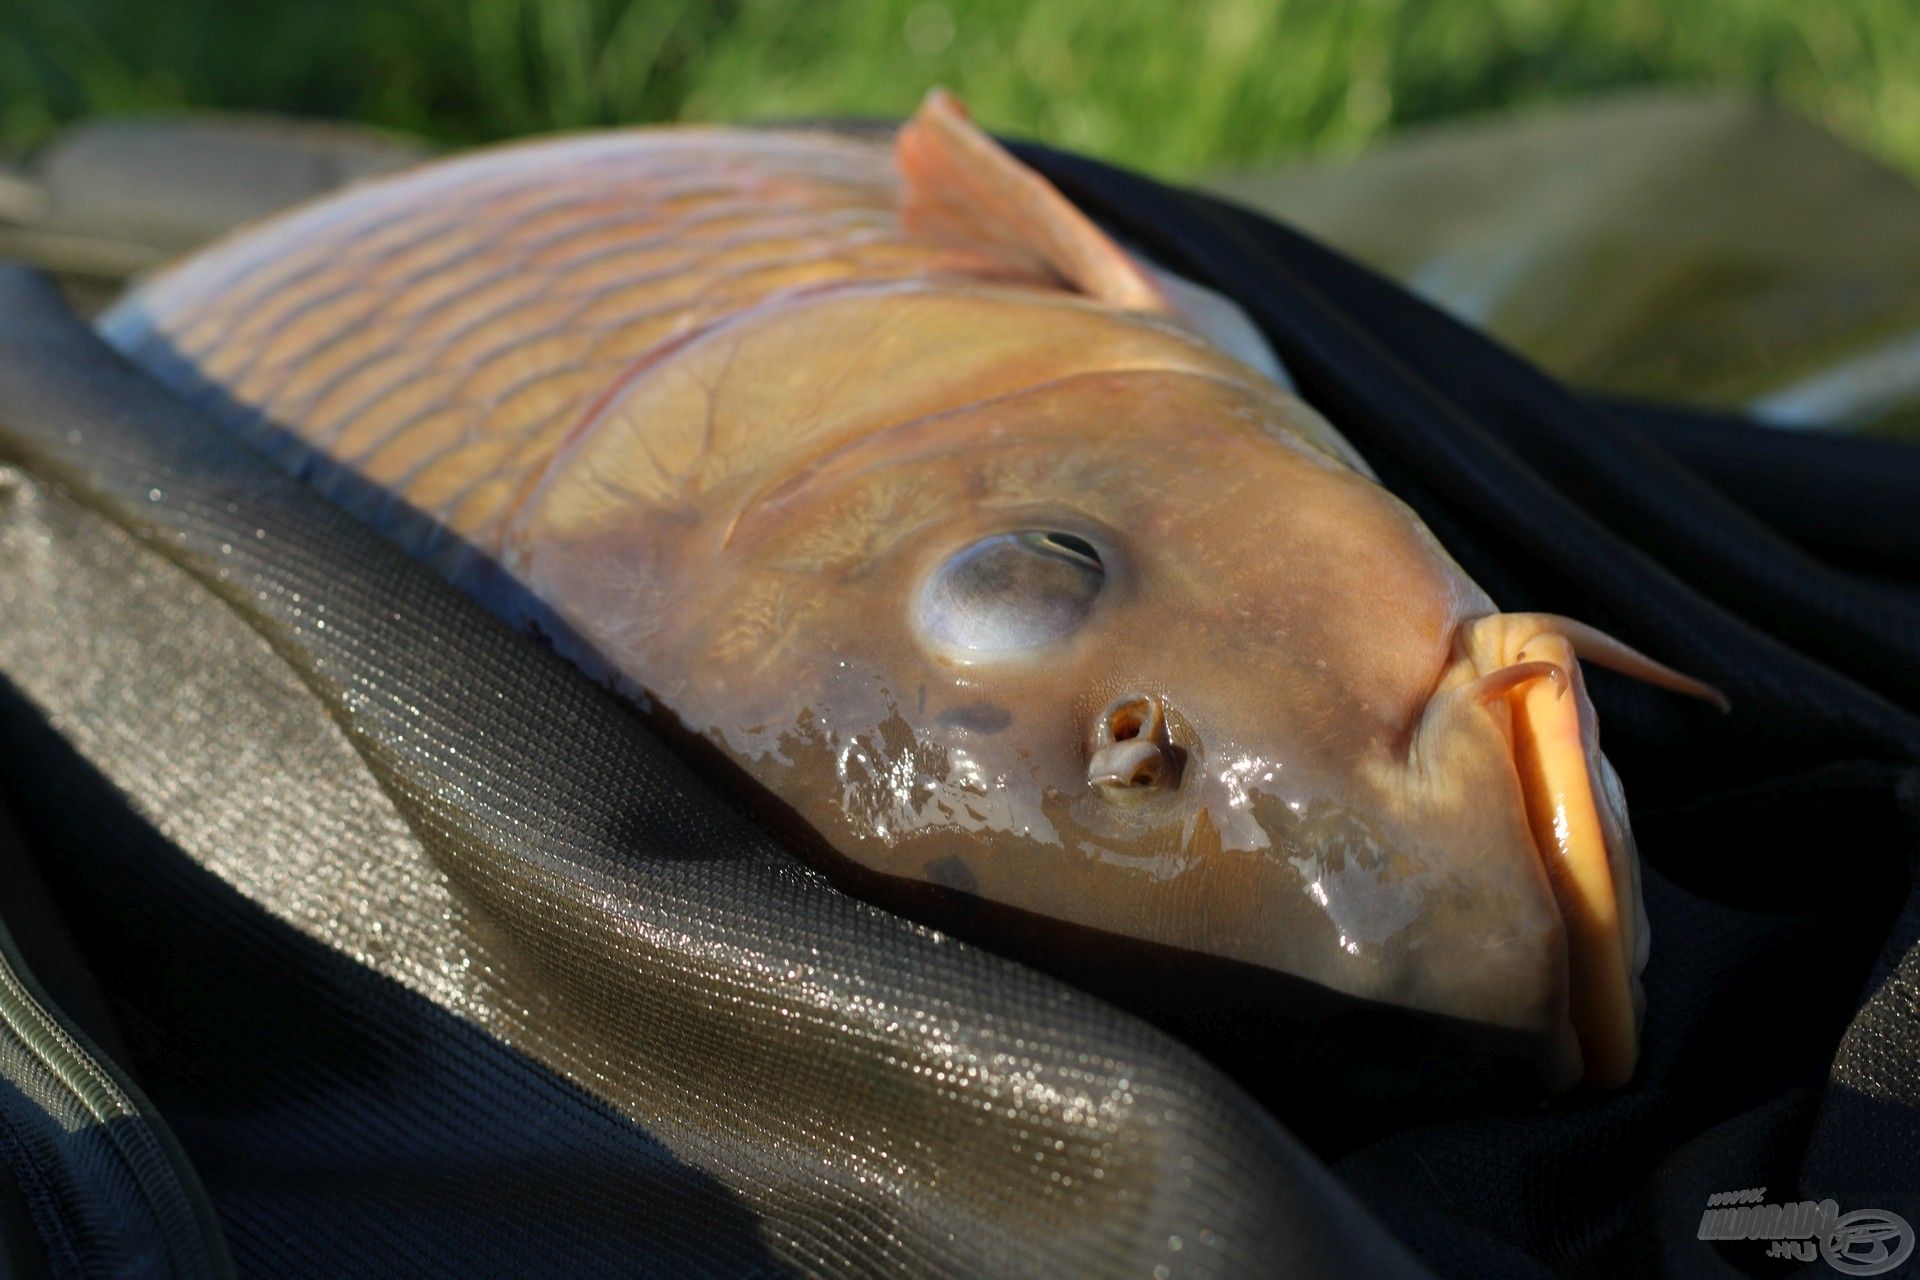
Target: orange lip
x=1551 y=752
x=1577 y=831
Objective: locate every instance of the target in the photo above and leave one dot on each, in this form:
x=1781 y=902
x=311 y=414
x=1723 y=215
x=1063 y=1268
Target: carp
x=1004 y=562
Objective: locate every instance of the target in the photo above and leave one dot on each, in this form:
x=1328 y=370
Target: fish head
x=1146 y=651
x=1195 y=678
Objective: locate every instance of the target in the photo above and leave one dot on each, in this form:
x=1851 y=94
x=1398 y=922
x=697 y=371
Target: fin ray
x=965 y=190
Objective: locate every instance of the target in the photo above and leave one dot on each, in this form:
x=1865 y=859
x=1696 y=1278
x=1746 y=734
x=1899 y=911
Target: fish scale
x=442 y=341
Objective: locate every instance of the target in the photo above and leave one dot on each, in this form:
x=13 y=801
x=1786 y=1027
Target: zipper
x=189 y=1232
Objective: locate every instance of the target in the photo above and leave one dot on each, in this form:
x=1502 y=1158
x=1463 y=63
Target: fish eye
x=1011 y=592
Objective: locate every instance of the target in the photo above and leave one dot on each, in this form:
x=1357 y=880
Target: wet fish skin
x=887 y=474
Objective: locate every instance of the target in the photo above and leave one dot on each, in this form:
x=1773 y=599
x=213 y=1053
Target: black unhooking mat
x=349 y=934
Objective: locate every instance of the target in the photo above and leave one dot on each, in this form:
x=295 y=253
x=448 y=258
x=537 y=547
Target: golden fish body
x=880 y=469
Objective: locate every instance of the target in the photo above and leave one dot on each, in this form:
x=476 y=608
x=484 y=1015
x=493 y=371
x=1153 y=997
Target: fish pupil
x=1073 y=544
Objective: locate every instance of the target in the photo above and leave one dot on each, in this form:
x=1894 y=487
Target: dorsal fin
x=963 y=189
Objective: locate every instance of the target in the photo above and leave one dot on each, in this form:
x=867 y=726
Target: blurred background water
x=1176 y=89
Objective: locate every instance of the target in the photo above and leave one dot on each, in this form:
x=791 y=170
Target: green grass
x=1172 y=87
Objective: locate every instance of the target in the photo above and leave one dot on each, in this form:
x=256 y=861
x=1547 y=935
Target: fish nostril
x=1129 y=716
x=1130 y=768
x=1127 y=751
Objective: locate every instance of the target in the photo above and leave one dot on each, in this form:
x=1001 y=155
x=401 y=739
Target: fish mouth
x=1581 y=838
x=1576 y=815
